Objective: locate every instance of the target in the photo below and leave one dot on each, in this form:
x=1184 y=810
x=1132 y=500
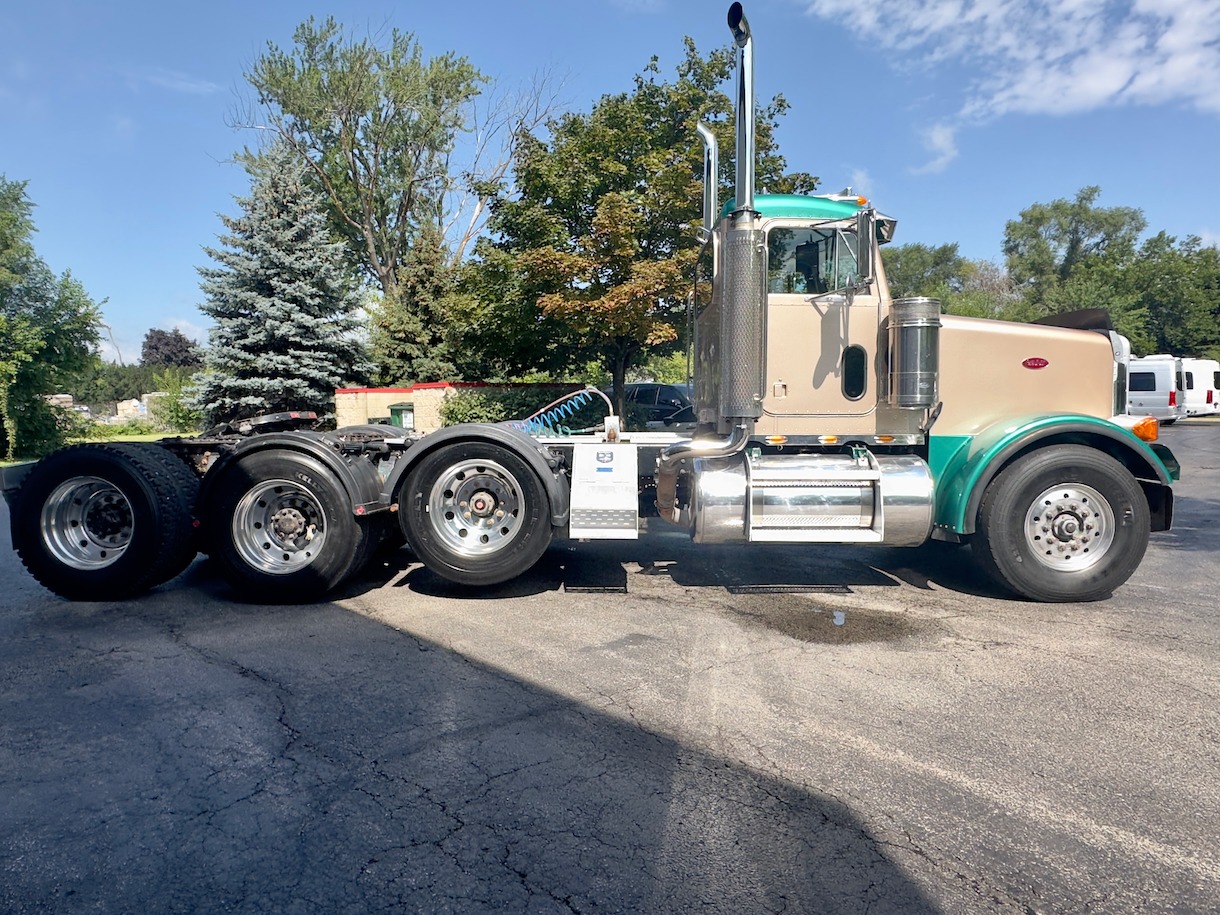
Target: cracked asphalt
x=633 y=727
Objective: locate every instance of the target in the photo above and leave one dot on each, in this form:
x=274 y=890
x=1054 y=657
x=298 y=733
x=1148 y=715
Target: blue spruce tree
x=285 y=331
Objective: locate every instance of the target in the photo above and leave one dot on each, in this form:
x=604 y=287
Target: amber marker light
x=776 y=439
x=1147 y=429
x=828 y=439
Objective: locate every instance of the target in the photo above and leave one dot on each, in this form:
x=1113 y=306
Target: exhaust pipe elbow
x=671 y=457
x=739 y=25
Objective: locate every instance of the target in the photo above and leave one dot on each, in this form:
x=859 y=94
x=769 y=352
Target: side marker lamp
x=1147 y=429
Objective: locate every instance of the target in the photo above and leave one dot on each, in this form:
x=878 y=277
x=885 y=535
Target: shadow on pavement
x=204 y=755
x=598 y=566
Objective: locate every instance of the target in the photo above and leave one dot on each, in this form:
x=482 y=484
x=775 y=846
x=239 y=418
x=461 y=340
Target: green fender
x=964 y=465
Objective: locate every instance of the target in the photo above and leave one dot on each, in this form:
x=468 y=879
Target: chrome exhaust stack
x=744 y=108
x=744 y=271
x=711 y=179
x=742 y=288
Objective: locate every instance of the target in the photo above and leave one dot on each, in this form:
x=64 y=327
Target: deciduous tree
x=376 y=127
x=1052 y=242
x=594 y=239
x=169 y=347
x=48 y=330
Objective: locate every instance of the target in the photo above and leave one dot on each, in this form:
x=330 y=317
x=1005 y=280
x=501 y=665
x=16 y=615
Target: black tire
x=1064 y=523
x=475 y=513
x=185 y=480
x=105 y=521
x=281 y=526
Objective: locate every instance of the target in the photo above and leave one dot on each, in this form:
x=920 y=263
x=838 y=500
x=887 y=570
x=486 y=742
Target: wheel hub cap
x=474 y=507
x=279 y=527
x=87 y=523
x=1069 y=527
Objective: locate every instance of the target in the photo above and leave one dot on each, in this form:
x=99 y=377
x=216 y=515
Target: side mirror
x=865 y=236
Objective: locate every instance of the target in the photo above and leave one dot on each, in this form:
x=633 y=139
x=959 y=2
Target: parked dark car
x=660 y=405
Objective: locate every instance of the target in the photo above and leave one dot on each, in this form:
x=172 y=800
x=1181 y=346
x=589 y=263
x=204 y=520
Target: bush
x=472 y=406
x=175 y=412
x=104 y=431
x=495 y=405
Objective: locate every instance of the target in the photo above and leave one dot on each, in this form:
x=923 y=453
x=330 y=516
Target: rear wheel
x=282 y=527
x=105 y=522
x=1065 y=523
x=475 y=513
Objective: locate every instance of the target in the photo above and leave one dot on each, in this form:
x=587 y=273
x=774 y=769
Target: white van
x=1156 y=387
x=1202 y=383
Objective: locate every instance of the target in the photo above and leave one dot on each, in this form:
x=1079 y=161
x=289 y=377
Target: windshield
x=811 y=260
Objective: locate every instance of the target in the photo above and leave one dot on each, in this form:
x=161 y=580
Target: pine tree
x=284 y=312
x=408 y=329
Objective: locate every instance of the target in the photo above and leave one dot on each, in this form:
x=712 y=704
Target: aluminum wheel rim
x=87 y=523
x=475 y=507
x=1069 y=527
x=279 y=527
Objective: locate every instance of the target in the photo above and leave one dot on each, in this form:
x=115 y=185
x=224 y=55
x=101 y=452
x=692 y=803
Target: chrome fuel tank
x=812 y=498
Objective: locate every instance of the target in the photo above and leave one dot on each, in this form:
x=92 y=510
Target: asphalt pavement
x=647 y=726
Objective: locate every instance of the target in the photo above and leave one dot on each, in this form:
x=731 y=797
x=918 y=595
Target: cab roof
x=802 y=206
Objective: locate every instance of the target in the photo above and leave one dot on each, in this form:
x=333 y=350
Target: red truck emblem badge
x=1035 y=362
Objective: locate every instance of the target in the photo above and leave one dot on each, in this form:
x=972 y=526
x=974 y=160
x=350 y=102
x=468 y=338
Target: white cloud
x=941 y=141
x=1053 y=58
x=171 y=80
x=190 y=329
x=861 y=182
x=1210 y=239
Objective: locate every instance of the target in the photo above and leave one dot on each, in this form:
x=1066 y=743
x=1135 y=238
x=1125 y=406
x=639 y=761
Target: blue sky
x=951 y=115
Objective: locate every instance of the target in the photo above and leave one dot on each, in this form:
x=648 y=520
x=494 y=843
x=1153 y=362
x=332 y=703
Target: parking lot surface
x=650 y=726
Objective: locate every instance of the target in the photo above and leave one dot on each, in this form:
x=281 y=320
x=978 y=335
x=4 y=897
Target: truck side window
x=810 y=261
x=855 y=372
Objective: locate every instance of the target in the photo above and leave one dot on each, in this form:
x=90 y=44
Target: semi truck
x=825 y=411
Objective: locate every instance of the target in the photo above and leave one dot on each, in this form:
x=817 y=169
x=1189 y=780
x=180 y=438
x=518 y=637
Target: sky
x=951 y=115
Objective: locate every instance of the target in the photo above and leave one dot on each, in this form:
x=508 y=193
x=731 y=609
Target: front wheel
x=1065 y=523
x=475 y=513
x=282 y=527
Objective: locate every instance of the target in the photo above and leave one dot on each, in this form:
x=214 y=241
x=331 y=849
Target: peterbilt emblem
x=605 y=457
x=1035 y=362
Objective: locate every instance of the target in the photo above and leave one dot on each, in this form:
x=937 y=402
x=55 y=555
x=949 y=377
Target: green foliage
x=284 y=333
x=100 y=383
x=1068 y=255
x=174 y=411
x=915 y=269
x=1053 y=241
x=472 y=405
x=48 y=329
x=494 y=405
x=1176 y=287
x=668 y=368
x=409 y=343
x=132 y=428
x=376 y=126
x=169 y=347
x=976 y=289
x=594 y=246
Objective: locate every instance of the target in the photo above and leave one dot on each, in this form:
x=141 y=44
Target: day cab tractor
x=826 y=411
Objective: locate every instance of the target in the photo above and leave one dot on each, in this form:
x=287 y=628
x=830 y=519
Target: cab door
x=822 y=334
